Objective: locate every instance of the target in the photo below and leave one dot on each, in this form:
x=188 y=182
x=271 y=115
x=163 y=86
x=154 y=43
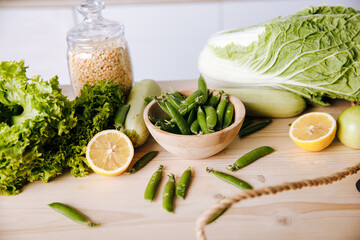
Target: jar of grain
x=97 y=50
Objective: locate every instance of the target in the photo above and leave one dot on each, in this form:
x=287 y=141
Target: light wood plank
x=329 y=212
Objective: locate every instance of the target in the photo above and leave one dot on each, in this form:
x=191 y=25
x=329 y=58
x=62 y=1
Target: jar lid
x=94 y=29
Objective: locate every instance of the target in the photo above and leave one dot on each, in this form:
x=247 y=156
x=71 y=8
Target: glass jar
x=97 y=50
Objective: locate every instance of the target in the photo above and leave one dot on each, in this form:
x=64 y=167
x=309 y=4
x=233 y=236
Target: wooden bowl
x=194 y=146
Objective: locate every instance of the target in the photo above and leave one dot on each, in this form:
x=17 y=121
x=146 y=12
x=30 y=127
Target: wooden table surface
x=330 y=212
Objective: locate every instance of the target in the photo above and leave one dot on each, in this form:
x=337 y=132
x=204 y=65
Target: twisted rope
x=228 y=202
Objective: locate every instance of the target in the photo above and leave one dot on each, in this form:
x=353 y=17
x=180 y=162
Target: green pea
x=202 y=87
x=247 y=122
x=220 y=111
x=190 y=102
x=183 y=183
x=251 y=157
x=168 y=194
x=201 y=118
x=177 y=95
x=230 y=179
x=142 y=162
x=192 y=116
x=228 y=115
x=72 y=214
x=153 y=184
x=254 y=128
x=178 y=118
x=194 y=128
x=214 y=100
x=217 y=215
x=211 y=117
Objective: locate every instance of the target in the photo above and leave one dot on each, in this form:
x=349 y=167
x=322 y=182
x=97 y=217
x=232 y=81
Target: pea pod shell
x=142 y=161
x=201 y=118
x=230 y=179
x=211 y=117
x=251 y=157
x=183 y=183
x=194 y=128
x=220 y=111
x=168 y=194
x=203 y=88
x=179 y=119
x=254 y=128
x=228 y=115
x=153 y=184
x=72 y=214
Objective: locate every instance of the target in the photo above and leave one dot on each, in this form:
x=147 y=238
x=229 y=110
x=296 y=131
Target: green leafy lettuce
x=42 y=133
x=314 y=53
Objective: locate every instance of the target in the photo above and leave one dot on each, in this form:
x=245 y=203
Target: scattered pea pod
x=153 y=184
x=230 y=179
x=216 y=215
x=168 y=194
x=251 y=157
x=183 y=183
x=142 y=162
x=254 y=128
x=247 y=122
x=72 y=214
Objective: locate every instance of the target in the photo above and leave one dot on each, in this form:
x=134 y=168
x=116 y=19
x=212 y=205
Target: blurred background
x=165 y=37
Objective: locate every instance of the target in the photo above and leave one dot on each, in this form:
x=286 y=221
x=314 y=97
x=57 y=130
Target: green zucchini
x=134 y=126
x=268 y=102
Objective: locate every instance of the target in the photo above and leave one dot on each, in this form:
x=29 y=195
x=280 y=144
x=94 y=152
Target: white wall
x=164 y=39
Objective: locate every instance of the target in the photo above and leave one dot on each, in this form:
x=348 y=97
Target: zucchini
x=134 y=126
x=268 y=102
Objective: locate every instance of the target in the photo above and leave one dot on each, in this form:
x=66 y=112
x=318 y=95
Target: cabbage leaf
x=314 y=53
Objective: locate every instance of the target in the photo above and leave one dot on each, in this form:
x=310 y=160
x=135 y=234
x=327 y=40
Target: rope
x=228 y=202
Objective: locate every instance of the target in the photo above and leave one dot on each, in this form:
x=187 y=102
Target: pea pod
x=220 y=111
x=179 y=119
x=247 y=122
x=251 y=157
x=201 y=118
x=177 y=95
x=211 y=117
x=183 y=183
x=202 y=87
x=190 y=102
x=228 y=115
x=194 y=128
x=254 y=128
x=72 y=214
x=214 y=100
x=120 y=116
x=191 y=118
x=153 y=184
x=162 y=106
x=142 y=162
x=174 y=101
x=230 y=179
x=217 y=215
x=167 y=125
x=168 y=194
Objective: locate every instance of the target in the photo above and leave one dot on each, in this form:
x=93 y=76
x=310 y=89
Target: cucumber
x=268 y=102
x=134 y=126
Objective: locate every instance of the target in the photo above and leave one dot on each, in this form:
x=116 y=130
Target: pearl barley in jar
x=97 y=50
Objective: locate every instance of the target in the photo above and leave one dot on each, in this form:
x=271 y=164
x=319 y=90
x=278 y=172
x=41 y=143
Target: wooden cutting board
x=330 y=212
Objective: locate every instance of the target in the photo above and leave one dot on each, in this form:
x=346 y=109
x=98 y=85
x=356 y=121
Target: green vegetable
x=178 y=118
x=348 y=127
x=120 y=116
x=183 y=183
x=251 y=157
x=217 y=215
x=72 y=214
x=190 y=102
x=214 y=100
x=254 y=128
x=134 y=126
x=33 y=114
x=220 y=111
x=168 y=194
x=269 y=102
x=211 y=117
x=230 y=179
x=142 y=162
x=153 y=184
x=194 y=128
x=228 y=115
x=203 y=89
x=247 y=122
x=192 y=117
x=201 y=118
x=313 y=53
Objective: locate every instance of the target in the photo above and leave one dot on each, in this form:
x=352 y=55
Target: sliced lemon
x=313 y=131
x=109 y=152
